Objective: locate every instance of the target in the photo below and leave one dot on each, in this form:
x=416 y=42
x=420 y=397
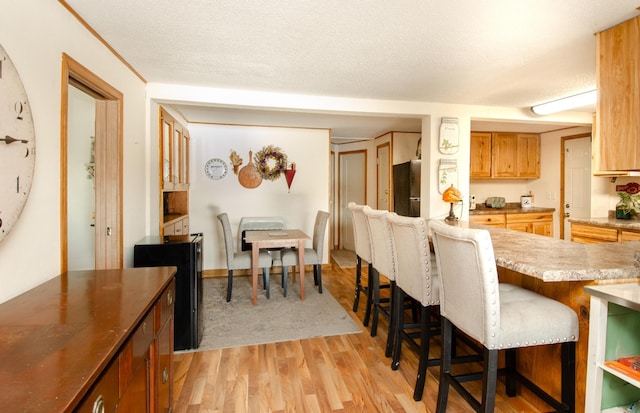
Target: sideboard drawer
x=105 y=392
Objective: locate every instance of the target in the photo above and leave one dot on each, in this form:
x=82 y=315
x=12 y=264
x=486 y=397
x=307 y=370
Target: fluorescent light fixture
x=575 y=101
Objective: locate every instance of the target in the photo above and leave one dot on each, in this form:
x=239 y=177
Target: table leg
x=301 y=261
x=255 y=253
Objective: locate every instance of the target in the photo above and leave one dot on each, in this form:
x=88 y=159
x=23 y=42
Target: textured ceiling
x=479 y=52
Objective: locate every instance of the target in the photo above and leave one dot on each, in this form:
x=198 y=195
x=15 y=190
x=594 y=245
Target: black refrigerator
x=184 y=252
x=406 y=188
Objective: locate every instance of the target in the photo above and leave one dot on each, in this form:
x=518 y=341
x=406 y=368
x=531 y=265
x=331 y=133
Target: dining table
x=282 y=238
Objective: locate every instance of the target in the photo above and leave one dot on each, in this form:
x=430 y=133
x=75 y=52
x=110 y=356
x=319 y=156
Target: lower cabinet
x=534 y=223
x=592 y=234
x=140 y=378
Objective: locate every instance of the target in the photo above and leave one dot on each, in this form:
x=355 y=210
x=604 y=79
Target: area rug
x=344 y=258
x=279 y=318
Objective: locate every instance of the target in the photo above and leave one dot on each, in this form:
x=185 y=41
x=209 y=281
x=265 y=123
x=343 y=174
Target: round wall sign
x=216 y=168
x=17 y=145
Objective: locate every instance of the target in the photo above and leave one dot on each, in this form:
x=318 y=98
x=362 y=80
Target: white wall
x=35 y=33
x=308 y=148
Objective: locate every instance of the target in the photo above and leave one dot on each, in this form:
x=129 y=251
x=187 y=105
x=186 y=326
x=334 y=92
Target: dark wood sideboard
x=90 y=341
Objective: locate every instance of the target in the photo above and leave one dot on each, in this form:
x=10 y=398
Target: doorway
x=352 y=183
x=383 y=176
x=107 y=167
x=575 y=201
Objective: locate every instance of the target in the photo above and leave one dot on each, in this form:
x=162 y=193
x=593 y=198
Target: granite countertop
x=551 y=259
x=633 y=224
x=510 y=208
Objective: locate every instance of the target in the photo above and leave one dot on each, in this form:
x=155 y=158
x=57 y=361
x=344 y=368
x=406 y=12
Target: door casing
x=108 y=159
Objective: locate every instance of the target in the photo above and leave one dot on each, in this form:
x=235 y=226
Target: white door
x=383 y=174
x=352 y=183
x=577 y=181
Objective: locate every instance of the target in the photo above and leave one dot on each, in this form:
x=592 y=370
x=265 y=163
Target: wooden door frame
x=562 y=177
x=73 y=73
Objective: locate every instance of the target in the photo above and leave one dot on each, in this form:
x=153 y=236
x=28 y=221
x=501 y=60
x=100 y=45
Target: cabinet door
x=528 y=155
x=542 y=228
x=166 y=133
x=164 y=373
x=616 y=145
x=504 y=148
x=480 y=165
x=520 y=226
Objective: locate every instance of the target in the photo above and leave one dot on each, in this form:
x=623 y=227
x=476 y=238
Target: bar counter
x=560 y=270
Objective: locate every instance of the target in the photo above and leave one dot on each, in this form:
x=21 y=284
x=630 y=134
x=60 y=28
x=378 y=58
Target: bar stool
x=416 y=277
x=499 y=316
x=383 y=263
x=363 y=252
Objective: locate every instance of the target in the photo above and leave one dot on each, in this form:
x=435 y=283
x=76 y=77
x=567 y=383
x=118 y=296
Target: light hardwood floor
x=347 y=373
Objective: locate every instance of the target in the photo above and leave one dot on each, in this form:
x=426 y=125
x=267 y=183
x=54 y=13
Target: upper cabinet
x=616 y=143
x=504 y=155
x=174 y=182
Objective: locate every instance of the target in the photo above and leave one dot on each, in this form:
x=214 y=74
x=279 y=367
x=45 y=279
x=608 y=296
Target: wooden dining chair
x=241 y=260
x=312 y=256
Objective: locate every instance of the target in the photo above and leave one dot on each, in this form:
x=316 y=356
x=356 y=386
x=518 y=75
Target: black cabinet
x=184 y=252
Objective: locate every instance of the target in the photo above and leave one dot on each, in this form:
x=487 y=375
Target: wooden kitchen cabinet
x=480 y=155
x=96 y=335
x=533 y=223
x=591 y=234
x=174 y=144
x=504 y=155
x=616 y=143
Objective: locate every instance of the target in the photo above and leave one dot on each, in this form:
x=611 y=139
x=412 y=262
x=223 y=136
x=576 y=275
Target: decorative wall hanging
x=236 y=161
x=248 y=176
x=270 y=162
x=449 y=133
x=447 y=174
x=289 y=174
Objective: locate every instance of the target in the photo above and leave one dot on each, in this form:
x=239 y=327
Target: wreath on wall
x=270 y=162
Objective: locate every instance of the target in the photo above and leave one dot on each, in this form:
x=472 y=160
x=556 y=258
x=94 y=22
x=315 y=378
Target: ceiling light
x=575 y=101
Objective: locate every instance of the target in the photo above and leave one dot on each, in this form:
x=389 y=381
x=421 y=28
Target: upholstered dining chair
x=362 y=246
x=241 y=260
x=499 y=316
x=416 y=277
x=312 y=256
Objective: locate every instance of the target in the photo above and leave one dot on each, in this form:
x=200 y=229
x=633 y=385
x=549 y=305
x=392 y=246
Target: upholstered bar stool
x=499 y=316
x=416 y=277
x=363 y=252
x=382 y=260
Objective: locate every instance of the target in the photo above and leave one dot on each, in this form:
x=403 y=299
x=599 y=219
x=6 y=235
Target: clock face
x=216 y=168
x=17 y=145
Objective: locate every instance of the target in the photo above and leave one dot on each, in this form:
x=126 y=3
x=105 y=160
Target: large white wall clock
x=17 y=145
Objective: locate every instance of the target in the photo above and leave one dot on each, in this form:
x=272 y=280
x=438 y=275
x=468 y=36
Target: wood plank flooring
x=347 y=373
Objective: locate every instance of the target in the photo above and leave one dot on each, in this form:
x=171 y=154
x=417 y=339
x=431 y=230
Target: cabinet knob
x=170 y=298
x=165 y=375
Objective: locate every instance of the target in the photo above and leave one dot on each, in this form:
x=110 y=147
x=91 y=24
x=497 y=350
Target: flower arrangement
x=270 y=162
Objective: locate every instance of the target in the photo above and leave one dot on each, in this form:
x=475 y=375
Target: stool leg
x=398 y=325
x=356 y=300
x=510 y=377
x=569 y=375
x=424 y=354
x=375 y=285
x=445 y=366
x=265 y=274
x=489 y=379
x=367 y=313
x=229 y=284
x=392 y=321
